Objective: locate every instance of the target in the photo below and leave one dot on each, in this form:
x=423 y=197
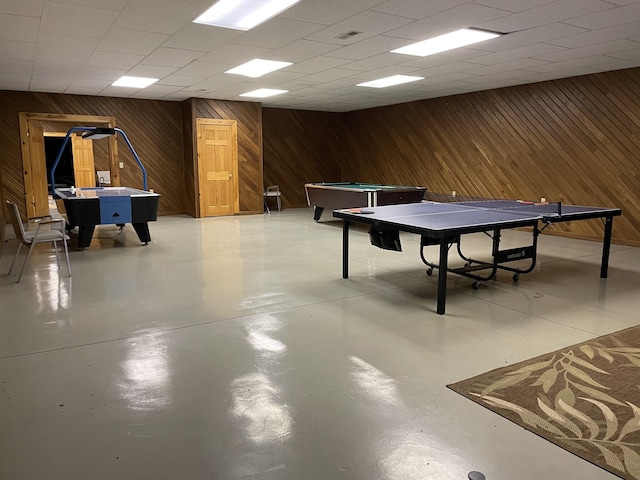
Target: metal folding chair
x=48 y=230
x=272 y=191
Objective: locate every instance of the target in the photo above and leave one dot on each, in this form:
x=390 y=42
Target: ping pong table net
x=542 y=207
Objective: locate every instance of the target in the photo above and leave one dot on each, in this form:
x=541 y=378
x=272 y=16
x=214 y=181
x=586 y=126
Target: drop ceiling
x=83 y=46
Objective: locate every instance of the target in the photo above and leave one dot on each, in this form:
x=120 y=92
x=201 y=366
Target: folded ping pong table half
x=444 y=223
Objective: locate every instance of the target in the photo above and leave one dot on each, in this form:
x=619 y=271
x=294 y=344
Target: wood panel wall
x=153 y=127
x=249 y=117
x=575 y=140
x=3 y=220
x=189 y=142
x=300 y=147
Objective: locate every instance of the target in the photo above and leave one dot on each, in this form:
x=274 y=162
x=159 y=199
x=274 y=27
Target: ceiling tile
x=514 y=5
x=17 y=50
x=463 y=16
x=199 y=68
x=369 y=23
x=536 y=50
x=151 y=71
x=590 y=50
x=171 y=57
x=113 y=60
x=597 y=36
x=328 y=12
x=29 y=8
x=276 y=33
x=317 y=64
x=195 y=36
x=237 y=54
x=122 y=40
x=16 y=66
x=609 y=18
x=159 y=16
x=376 y=61
x=301 y=50
x=115 y=5
x=19 y=28
x=179 y=80
x=61 y=18
x=110 y=74
x=55 y=44
x=368 y=47
x=56 y=64
x=417 y=9
x=559 y=10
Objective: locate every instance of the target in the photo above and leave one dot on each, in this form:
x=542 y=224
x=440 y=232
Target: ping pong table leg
x=345 y=248
x=606 y=247
x=442 y=274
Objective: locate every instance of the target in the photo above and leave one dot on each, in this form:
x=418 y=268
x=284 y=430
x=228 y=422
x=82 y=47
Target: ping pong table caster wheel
x=475 y=285
x=516 y=277
x=430 y=271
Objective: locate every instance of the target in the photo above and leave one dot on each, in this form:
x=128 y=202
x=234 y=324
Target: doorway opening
x=34 y=128
x=65 y=176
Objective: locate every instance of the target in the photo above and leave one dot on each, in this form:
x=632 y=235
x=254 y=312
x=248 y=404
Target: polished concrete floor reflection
x=231 y=348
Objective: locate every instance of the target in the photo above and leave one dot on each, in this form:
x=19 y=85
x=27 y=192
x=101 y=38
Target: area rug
x=584 y=398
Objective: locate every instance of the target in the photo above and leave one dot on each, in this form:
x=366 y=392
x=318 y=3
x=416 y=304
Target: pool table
x=337 y=195
x=91 y=206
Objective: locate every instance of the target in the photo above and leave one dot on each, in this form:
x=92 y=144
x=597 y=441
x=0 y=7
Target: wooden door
x=83 y=165
x=217 y=167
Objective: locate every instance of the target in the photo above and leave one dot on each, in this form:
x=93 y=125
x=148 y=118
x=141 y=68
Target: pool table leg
x=142 y=229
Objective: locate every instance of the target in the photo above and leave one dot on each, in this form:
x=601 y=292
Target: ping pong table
x=442 y=220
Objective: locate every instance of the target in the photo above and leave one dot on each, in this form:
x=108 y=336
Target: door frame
x=234 y=128
x=26 y=119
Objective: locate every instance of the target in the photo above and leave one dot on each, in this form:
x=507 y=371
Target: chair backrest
x=273 y=190
x=104 y=177
x=18 y=226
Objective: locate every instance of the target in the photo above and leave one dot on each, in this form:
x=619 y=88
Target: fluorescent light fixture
x=448 y=41
x=243 y=14
x=134 y=82
x=258 y=67
x=389 y=81
x=263 y=93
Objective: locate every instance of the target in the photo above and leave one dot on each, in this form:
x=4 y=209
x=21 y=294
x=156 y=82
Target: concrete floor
x=231 y=348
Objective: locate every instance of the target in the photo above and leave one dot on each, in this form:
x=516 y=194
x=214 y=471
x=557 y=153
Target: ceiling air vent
x=349 y=34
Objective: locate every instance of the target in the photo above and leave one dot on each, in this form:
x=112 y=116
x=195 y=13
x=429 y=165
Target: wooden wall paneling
x=249 y=118
x=576 y=140
x=153 y=127
x=3 y=219
x=300 y=147
x=189 y=141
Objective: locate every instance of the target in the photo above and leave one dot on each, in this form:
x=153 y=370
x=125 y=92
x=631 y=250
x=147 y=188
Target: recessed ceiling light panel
x=243 y=14
x=389 y=81
x=134 y=82
x=258 y=67
x=263 y=93
x=448 y=41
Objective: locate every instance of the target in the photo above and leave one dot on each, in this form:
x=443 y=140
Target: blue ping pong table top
x=477 y=213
